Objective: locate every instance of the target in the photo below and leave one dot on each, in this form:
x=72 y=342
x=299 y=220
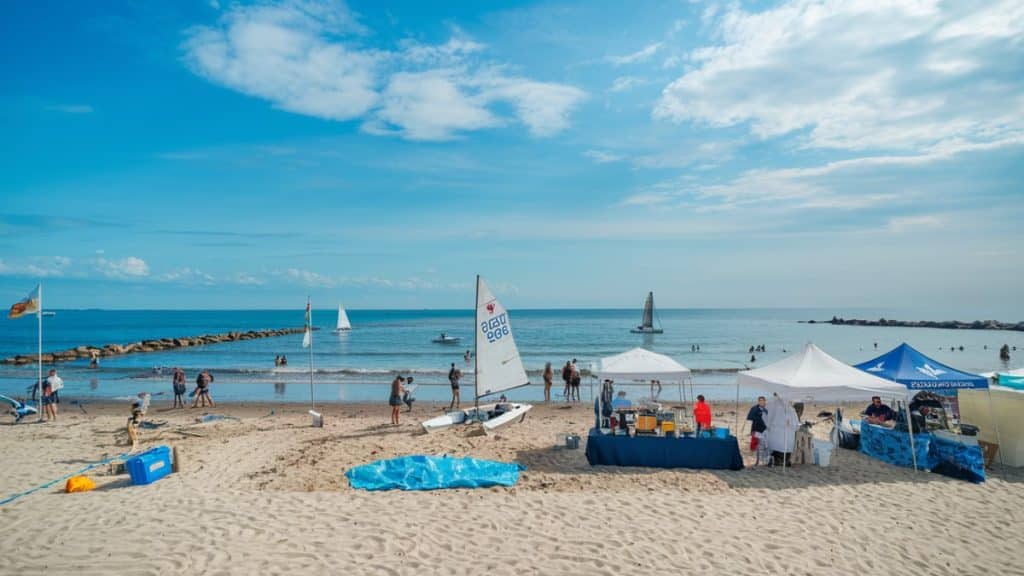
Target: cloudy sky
x=230 y=154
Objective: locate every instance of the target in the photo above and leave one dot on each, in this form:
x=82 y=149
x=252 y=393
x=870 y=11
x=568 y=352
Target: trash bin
x=822 y=452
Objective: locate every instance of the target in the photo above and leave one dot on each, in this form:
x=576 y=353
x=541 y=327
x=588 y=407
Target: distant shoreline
x=944 y=324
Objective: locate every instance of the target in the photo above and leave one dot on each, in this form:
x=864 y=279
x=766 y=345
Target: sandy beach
x=266 y=494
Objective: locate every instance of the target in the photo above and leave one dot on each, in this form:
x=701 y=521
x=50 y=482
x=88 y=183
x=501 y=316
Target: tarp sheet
x=432 y=473
x=916 y=371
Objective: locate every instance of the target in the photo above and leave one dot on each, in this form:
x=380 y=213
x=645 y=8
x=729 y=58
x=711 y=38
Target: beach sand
x=265 y=494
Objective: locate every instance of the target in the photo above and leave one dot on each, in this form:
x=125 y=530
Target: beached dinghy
x=498 y=368
x=647 y=320
x=343 y=324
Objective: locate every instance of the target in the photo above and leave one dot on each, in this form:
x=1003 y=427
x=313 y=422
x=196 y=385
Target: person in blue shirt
x=877 y=413
x=621 y=402
x=756 y=418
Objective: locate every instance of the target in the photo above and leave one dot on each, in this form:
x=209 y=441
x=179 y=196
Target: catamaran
x=498 y=368
x=647 y=320
x=343 y=324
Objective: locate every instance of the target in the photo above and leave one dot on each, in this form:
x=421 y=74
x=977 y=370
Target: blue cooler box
x=150 y=466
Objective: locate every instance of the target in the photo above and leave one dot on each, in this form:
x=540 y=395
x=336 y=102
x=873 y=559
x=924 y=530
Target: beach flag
x=30 y=305
x=307 y=338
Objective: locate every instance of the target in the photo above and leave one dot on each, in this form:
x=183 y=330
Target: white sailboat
x=343 y=324
x=498 y=368
x=647 y=320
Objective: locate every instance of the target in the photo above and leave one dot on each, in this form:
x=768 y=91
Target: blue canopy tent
x=918 y=372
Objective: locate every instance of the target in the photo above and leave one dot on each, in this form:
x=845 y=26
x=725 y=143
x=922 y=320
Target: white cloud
x=432 y=106
x=187 y=275
x=54 y=267
x=859 y=75
x=641 y=55
x=603 y=157
x=909 y=223
x=624 y=83
x=285 y=54
x=71 y=108
x=130 y=267
x=300 y=56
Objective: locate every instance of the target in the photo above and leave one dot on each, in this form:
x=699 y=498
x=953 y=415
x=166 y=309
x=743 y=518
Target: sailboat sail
x=498 y=366
x=343 y=323
x=648 y=319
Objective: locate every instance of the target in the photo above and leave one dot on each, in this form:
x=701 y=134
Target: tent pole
x=737 y=423
x=995 y=422
x=910 y=432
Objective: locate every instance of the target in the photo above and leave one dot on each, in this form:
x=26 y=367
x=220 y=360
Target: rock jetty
x=947 y=324
x=85 y=352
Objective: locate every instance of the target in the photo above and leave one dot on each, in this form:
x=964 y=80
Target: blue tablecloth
x=941 y=455
x=659 y=452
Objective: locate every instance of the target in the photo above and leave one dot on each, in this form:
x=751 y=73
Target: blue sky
x=802 y=153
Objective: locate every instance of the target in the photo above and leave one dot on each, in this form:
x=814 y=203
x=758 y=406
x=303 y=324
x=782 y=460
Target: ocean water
x=358 y=366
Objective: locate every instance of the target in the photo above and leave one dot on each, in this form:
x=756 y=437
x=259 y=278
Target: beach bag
x=79 y=484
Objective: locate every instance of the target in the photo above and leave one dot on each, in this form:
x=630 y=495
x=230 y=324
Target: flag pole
x=309 y=328
x=39 y=353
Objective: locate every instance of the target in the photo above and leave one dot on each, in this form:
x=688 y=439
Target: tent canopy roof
x=641 y=364
x=916 y=371
x=813 y=373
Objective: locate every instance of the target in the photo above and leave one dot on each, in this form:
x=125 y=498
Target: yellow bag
x=79 y=484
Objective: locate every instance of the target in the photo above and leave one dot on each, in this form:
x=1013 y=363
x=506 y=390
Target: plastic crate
x=150 y=466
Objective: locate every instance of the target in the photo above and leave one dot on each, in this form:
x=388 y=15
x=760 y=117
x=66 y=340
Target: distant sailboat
x=647 y=320
x=343 y=324
x=498 y=368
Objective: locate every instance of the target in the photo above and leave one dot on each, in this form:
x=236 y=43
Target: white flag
x=307 y=338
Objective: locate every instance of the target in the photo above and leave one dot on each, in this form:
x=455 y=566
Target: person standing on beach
x=567 y=378
x=756 y=417
x=203 y=381
x=178 y=383
x=575 y=383
x=395 y=399
x=51 y=397
x=454 y=374
x=549 y=375
x=702 y=414
x=655 y=389
x=467 y=357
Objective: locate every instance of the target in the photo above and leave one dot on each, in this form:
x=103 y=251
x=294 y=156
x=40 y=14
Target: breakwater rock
x=85 y=352
x=947 y=324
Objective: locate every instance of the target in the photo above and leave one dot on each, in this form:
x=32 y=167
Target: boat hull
x=647 y=331
x=514 y=413
x=446 y=340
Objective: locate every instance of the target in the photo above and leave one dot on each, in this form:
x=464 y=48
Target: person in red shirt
x=702 y=413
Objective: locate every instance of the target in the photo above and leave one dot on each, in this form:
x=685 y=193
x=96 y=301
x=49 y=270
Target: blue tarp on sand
x=432 y=473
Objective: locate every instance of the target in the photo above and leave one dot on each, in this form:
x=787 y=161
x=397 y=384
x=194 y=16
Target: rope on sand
x=14 y=497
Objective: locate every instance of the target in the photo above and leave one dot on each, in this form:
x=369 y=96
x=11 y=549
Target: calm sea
x=357 y=366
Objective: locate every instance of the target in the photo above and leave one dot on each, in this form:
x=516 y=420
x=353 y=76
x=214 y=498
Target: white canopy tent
x=811 y=373
x=643 y=365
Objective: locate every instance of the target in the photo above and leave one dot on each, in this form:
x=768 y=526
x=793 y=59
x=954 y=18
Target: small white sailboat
x=647 y=320
x=444 y=338
x=343 y=324
x=498 y=368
